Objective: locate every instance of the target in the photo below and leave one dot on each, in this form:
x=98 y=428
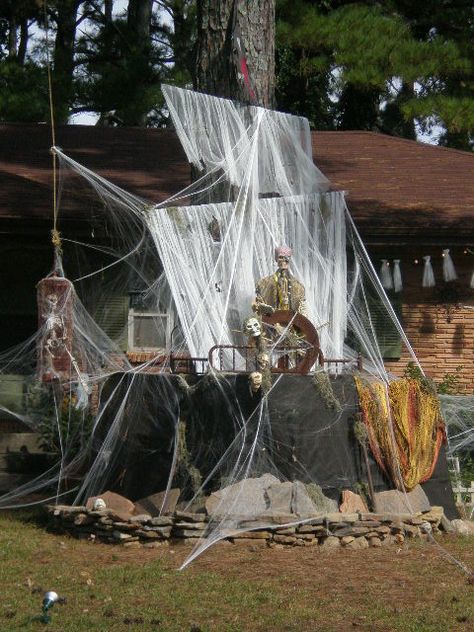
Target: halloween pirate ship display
x=255 y=270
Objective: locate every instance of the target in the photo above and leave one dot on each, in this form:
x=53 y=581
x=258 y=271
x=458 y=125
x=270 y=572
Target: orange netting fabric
x=418 y=428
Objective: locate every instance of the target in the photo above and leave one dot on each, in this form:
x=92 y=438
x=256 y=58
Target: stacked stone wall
x=350 y=530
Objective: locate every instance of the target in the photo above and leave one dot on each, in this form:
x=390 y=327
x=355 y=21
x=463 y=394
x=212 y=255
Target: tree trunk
x=108 y=10
x=24 y=35
x=216 y=70
x=63 y=60
x=138 y=56
x=359 y=108
x=12 y=36
x=139 y=18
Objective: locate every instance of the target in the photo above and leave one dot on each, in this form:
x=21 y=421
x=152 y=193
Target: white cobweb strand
x=203 y=274
x=214 y=133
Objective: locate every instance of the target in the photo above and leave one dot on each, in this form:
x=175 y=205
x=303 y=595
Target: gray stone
x=446 y=525
x=254 y=524
x=57 y=510
x=315 y=529
x=331 y=542
x=162 y=532
x=191 y=525
x=411 y=531
x=463 y=527
x=187 y=533
x=374 y=542
x=301 y=502
x=279 y=497
x=286 y=530
x=358 y=543
x=372 y=524
x=121 y=537
x=284 y=539
x=125 y=526
x=396 y=502
x=246 y=498
x=322 y=503
x=253 y=535
x=132 y=544
x=309 y=537
x=161 y=521
x=188 y=516
x=158 y=504
x=83 y=519
x=339 y=517
x=272 y=517
x=351 y=530
x=434 y=514
x=141 y=518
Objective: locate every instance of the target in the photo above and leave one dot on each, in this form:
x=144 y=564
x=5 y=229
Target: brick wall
x=439 y=345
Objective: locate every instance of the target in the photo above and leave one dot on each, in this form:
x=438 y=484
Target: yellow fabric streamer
x=418 y=428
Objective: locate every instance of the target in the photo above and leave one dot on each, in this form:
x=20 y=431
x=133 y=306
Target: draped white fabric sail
x=428 y=274
x=449 y=273
x=397 y=276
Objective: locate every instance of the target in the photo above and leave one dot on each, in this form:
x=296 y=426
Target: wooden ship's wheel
x=307 y=350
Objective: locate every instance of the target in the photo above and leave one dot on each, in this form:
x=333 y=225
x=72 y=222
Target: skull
x=52 y=301
x=252 y=327
x=99 y=504
x=255 y=380
x=263 y=361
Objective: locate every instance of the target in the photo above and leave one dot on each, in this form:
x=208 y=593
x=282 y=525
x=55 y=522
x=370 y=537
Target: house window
x=388 y=337
x=148 y=331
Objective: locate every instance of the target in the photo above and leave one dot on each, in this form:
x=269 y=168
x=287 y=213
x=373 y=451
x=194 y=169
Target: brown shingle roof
x=395 y=187
x=399 y=186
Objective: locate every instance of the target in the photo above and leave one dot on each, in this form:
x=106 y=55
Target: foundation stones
x=279 y=497
x=301 y=503
x=352 y=503
x=119 y=504
x=246 y=498
x=397 y=502
x=278 y=524
x=162 y=503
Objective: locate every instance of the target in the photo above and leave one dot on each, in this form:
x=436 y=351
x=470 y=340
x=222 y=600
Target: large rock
x=321 y=503
x=301 y=502
x=352 y=503
x=121 y=506
x=159 y=504
x=463 y=527
x=279 y=497
x=396 y=502
x=245 y=498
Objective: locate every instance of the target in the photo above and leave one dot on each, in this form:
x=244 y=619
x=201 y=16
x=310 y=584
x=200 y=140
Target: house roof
x=399 y=186
x=396 y=188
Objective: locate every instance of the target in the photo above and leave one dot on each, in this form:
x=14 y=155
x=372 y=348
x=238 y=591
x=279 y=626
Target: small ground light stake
x=49 y=599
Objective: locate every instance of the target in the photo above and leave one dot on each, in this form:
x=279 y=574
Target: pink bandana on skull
x=283 y=251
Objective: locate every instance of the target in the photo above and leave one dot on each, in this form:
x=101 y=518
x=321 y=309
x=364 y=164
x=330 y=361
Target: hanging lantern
x=55 y=303
x=386 y=275
x=449 y=273
x=428 y=274
x=397 y=276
